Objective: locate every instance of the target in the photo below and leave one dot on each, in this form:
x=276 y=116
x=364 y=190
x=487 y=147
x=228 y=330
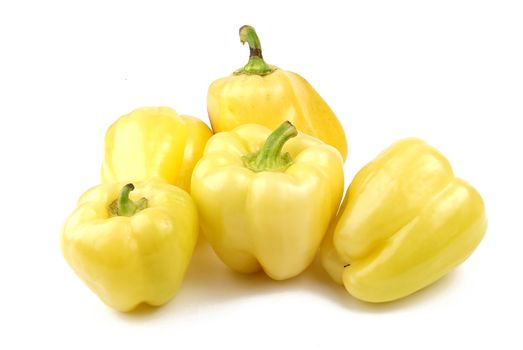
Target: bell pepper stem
x=256 y=64
x=270 y=157
x=124 y=206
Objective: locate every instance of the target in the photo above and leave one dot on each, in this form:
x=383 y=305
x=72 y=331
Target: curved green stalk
x=124 y=206
x=270 y=157
x=256 y=64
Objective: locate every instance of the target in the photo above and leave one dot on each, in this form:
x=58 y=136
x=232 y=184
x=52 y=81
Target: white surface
x=450 y=72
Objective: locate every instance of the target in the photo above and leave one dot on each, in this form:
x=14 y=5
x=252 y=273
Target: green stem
x=270 y=157
x=256 y=64
x=124 y=206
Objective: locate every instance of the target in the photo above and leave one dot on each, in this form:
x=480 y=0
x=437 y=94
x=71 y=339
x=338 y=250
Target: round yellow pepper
x=405 y=222
x=265 y=199
x=264 y=94
x=154 y=142
x=131 y=247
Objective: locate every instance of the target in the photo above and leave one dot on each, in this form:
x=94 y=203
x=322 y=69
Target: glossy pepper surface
x=154 y=142
x=405 y=222
x=265 y=199
x=264 y=94
x=131 y=247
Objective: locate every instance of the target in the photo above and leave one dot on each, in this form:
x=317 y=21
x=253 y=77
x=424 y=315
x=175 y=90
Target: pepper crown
x=124 y=206
x=256 y=64
x=270 y=157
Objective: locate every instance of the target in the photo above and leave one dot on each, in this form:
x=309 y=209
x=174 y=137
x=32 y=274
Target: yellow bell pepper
x=154 y=142
x=264 y=94
x=405 y=222
x=131 y=248
x=265 y=199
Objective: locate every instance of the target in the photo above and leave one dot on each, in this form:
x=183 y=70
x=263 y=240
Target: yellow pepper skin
x=405 y=222
x=130 y=250
x=263 y=94
x=154 y=142
x=262 y=207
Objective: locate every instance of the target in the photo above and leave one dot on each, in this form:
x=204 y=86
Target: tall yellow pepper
x=405 y=222
x=154 y=142
x=265 y=199
x=131 y=245
x=264 y=94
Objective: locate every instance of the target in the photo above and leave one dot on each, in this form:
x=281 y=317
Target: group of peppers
x=265 y=191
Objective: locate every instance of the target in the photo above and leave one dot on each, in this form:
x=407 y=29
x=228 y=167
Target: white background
x=450 y=72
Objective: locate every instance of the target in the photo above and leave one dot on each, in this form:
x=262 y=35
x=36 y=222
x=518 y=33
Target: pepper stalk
x=124 y=206
x=270 y=157
x=256 y=64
